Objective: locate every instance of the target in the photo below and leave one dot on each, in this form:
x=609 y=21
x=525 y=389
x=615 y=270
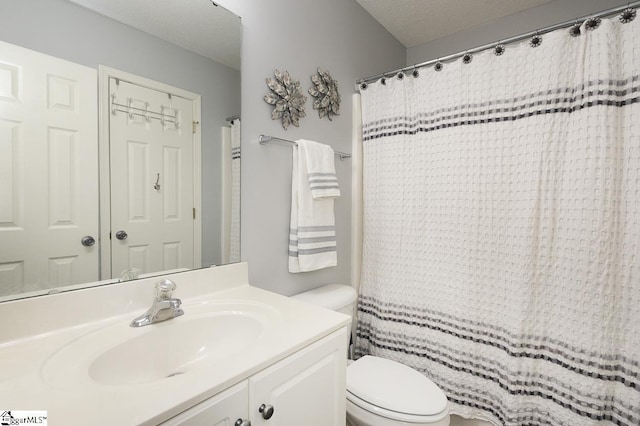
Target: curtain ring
x=415 y=72
x=627 y=15
x=592 y=23
x=575 y=31
x=536 y=40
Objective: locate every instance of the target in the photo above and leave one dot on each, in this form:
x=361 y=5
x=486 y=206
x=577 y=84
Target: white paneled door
x=152 y=179
x=48 y=172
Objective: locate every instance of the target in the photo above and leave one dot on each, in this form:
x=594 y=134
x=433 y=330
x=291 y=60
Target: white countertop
x=34 y=333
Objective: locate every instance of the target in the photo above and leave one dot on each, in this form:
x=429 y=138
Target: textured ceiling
x=196 y=25
x=414 y=22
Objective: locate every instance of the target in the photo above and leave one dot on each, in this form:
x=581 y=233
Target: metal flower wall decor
x=325 y=92
x=287 y=98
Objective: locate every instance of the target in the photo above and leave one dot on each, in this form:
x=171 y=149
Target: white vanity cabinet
x=305 y=388
x=223 y=409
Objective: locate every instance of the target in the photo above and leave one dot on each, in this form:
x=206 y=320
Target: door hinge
x=193 y=125
x=194 y=212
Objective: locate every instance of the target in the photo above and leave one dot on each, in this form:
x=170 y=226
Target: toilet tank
x=337 y=297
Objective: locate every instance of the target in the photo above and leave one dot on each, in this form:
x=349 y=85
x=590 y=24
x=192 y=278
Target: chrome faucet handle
x=164 y=306
x=164 y=289
x=175 y=303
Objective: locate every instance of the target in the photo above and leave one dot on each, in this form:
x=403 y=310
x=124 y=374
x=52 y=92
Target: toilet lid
x=393 y=386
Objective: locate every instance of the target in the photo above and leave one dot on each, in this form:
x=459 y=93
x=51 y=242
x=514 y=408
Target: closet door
x=152 y=183
x=48 y=171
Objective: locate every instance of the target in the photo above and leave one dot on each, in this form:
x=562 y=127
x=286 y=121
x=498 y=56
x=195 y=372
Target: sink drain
x=177 y=373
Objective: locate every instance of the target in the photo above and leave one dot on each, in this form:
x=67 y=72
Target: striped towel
x=312 y=235
x=321 y=169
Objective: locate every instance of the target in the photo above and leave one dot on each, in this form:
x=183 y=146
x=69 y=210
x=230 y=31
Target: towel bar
x=263 y=139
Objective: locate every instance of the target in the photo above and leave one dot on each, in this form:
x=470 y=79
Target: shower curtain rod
x=263 y=139
x=514 y=39
x=232 y=118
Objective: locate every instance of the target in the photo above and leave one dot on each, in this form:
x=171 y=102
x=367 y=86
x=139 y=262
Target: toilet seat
x=394 y=415
x=393 y=390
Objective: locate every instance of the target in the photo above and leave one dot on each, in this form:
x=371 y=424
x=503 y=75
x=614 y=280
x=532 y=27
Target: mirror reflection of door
x=48 y=172
x=152 y=157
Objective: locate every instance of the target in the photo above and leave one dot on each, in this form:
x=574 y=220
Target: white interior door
x=48 y=171
x=152 y=180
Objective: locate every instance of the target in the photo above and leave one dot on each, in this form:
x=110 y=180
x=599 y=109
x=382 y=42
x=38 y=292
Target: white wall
x=550 y=13
x=299 y=36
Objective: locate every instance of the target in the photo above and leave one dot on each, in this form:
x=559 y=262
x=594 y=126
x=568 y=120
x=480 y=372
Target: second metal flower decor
x=326 y=95
x=287 y=98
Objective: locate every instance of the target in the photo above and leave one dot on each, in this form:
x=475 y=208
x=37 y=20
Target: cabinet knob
x=266 y=410
x=241 y=422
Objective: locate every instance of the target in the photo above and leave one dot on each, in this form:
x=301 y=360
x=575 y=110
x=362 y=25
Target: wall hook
x=157 y=184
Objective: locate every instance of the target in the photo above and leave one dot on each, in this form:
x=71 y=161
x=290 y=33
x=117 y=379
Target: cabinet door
x=223 y=409
x=307 y=388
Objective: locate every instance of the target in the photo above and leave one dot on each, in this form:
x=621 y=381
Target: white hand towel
x=321 y=169
x=312 y=235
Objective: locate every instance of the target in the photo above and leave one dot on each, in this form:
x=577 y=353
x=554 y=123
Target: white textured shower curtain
x=234 y=247
x=502 y=229
x=230 y=223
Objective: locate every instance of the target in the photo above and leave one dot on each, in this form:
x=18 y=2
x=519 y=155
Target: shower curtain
x=501 y=238
x=234 y=248
x=230 y=241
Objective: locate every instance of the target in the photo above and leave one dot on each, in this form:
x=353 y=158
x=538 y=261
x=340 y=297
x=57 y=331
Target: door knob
x=241 y=422
x=266 y=410
x=121 y=235
x=88 y=241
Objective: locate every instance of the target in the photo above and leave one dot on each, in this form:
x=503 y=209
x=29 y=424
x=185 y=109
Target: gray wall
x=293 y=35
x=70 y=32
x=551 y=13
x=299 y=36
x=338 y=35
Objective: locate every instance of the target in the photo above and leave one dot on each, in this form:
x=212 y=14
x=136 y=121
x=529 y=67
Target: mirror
x=191 y=45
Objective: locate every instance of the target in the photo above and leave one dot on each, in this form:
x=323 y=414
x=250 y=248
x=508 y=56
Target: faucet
x=164 y=307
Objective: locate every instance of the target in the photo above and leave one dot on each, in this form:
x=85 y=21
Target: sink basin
x=119 y=355
x=169 y=351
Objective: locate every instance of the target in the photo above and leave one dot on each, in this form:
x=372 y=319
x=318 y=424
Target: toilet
x=382 y=392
